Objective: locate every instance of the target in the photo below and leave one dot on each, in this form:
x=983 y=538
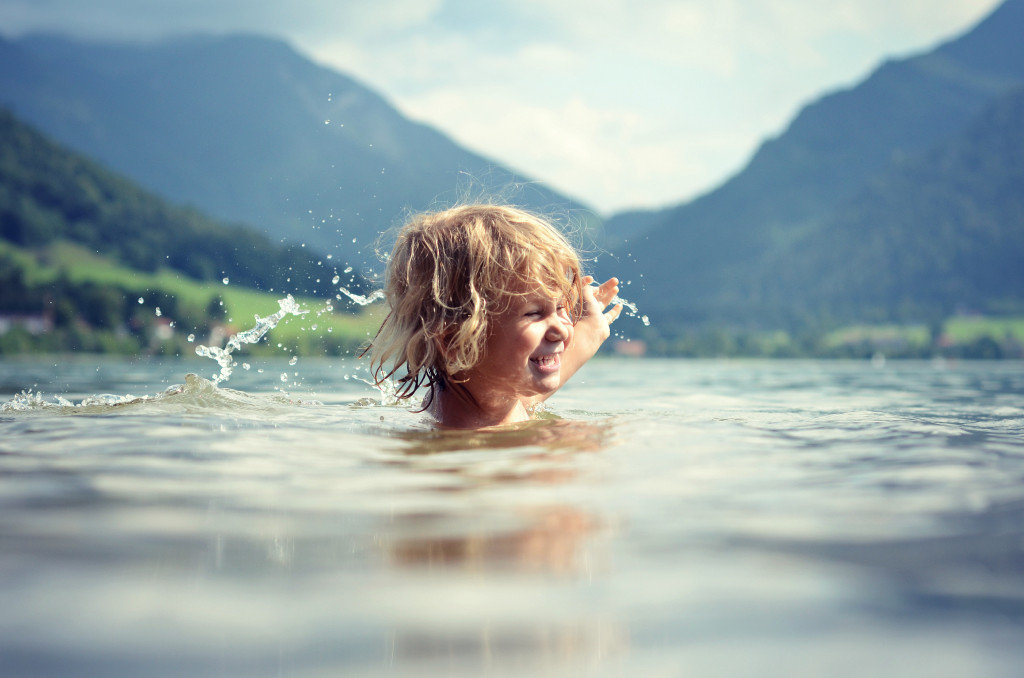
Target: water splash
x=631 y=309
x=388 y=393
x=196 y=394
x=30 y=401
x=359 y=299
x=288 y=306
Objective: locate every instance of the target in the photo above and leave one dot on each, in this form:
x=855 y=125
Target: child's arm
x=591 y=330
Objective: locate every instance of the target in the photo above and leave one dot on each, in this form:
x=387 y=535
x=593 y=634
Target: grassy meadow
x=190 y=304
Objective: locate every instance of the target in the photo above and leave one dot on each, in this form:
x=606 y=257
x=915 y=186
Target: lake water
x=664 y=518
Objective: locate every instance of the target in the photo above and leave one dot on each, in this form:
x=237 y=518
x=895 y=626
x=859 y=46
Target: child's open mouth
x=547 y=363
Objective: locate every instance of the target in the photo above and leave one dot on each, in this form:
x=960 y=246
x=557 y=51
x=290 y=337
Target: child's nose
x=558 y=329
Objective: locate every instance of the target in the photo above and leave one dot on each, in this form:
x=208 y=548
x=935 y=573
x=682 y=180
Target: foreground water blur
x=662 y=518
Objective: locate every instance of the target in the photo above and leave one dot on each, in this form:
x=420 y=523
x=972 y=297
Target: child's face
x=522 y=356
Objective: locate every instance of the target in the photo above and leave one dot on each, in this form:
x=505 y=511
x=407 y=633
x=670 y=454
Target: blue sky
x=619 y=103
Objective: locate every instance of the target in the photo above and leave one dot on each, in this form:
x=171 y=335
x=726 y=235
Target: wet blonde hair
x=449 y=273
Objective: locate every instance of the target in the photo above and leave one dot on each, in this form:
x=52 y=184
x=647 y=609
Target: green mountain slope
x=938 y=233
x=80 y=245
x=48 y=193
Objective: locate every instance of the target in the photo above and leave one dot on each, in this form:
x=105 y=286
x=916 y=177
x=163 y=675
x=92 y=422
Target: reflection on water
x=549 y=433
x=545 y=538
x=548 y=539
x=664 y=518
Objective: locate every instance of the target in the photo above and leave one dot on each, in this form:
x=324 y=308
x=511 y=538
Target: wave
x=196 y=394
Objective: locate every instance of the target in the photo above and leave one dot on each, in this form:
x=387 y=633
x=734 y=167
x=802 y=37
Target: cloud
x=614 y=157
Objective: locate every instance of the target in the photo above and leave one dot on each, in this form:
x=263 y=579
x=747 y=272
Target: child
x=489 y=309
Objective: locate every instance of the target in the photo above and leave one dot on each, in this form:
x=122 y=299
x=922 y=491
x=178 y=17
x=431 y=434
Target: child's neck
x=455 y=406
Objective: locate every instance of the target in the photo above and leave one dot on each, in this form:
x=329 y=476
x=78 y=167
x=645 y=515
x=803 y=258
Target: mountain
x=91 y=262
x=719 y=254
x=48 y=193
x=938 y=232
x=247 y=130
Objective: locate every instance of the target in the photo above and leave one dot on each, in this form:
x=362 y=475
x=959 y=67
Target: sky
x=618 y=103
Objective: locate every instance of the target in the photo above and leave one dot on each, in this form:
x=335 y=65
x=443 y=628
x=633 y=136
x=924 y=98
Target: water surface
x=663 y=518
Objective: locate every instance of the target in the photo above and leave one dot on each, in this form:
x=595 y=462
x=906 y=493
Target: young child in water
x=489 y=310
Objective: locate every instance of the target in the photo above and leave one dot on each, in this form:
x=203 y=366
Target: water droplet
x=141 y=300
x=284 y=376
x=225 y=280
x=158 y=312
x=294 y=360
x=335 y=280
x=191 y=338
x=246 y=366
x=348 y=269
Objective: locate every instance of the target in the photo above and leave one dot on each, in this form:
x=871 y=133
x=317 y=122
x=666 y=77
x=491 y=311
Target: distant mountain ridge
x=50 y=194
x=715 y=258
x=248 y=130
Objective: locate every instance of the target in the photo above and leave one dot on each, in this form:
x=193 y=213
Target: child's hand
x=593 y=328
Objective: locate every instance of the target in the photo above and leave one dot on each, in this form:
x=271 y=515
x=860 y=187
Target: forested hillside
x=48 y=194
x=940 y=233
x=61 y=211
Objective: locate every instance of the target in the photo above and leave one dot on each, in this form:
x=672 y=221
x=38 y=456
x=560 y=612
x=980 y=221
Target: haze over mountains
x=897 y=199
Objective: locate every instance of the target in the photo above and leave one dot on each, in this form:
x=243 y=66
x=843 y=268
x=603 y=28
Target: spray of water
x=631 y=309
x=359 y=299
x=288 y=306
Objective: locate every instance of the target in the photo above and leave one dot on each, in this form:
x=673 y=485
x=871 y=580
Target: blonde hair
x=449 y=273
